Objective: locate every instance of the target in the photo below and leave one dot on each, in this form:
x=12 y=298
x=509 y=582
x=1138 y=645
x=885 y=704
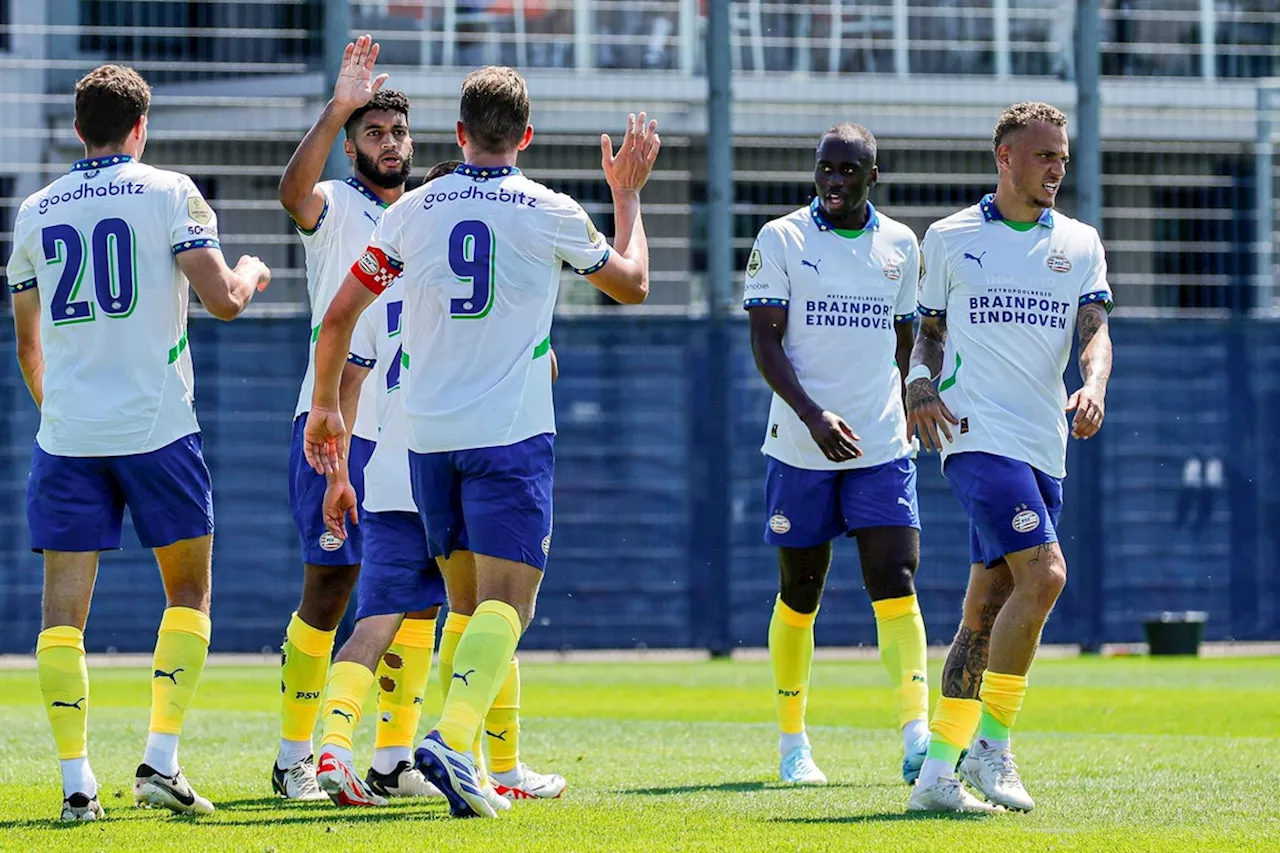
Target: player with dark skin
x=381 y=152
x=843 y=176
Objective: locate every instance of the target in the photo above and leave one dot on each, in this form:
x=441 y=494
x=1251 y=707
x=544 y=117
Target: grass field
x=1121 y=755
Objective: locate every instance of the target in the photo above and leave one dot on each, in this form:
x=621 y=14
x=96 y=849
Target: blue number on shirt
x=114 y=262
x=394 y=312
x=114 y=271
x=64 y=245
x=471 y=259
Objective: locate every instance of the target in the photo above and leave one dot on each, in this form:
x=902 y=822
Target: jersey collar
x=365 y=191
x=991 y=213
x=824 y=224
x=484 y=173
x=100 y=162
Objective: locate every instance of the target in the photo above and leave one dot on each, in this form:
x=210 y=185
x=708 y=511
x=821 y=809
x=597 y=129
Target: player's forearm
x=1095 y=347
x=33 y=375
x=306 y=166
x=930 y=346
x=349 y=394
x=630 y=240
x=331 y=354
x=240 y=291
x=778 y=372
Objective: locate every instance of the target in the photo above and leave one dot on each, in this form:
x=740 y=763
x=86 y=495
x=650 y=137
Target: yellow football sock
x=477 y=751
x=306 y=661
x=479 y=668
x=791 y=650
x=1002 y=697
x=953 y=724
x=502 y=726
x=64 y=684
x=181 y=649
x=348 y=684
x=402 y=679
x=454 y=625
x=903 y=649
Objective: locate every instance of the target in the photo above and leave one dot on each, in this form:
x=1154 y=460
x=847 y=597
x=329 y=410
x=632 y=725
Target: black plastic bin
x=1175 y=633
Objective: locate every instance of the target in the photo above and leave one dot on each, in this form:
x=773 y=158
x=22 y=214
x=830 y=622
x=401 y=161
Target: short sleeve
x=194 y=225
x=579 y=244
x=904 y=310
x=318 y=232
x=364 y=340
x=381 y=262
x=20 y=270
x=767 y=282
x=1095 y=287
x=935 y=276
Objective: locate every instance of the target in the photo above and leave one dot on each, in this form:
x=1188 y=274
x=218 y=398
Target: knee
x=802 y=596
x=1048 y=581
x=896 y=580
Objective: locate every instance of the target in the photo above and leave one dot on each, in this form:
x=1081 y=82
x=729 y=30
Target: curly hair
x=1021 y=115
x=109 y=101
x=385 y=99
x=441 y=169
x=850 y=132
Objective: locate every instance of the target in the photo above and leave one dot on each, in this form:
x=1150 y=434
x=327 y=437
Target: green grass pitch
x=1121 y=755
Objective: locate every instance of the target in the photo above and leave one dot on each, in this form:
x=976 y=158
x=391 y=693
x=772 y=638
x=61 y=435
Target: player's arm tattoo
x=1095 y=344
x=967 y=660
x=929 y=348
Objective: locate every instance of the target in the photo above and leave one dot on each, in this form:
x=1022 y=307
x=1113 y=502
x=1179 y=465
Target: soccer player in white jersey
x=831 y=289
x=398 y=575
x=481 y=251
x=1006 y=282
x=334 y=220
x=99 y=271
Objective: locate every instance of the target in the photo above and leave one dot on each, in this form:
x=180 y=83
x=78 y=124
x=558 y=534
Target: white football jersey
x=1010 y=298
x=481 y=251
x=376 y=344
x=99 y=243
x=341 y=234
x=843 y=295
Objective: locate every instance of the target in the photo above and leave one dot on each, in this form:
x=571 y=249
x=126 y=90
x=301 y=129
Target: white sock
x=507 y=777
x=933 y=770
x=986 y=743
x=78 y=778
x=787 y=742
x=339 y=752
x=912 y=732
x=388 y=758
x=161 y=753
x=293 y=751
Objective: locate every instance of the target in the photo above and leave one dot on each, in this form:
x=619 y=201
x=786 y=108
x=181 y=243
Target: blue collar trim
x=991 y=213
x=484 y=173
x=365 y=191
x=100 y=162
x=824 y=224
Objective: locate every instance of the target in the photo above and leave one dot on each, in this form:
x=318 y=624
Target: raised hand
x=834 y=436
x=628 y=170
x=252 y=268
x=356 y=84
x=927 y=414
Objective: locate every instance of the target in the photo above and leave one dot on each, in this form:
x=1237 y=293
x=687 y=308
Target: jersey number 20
x=471 y=259
x=113 y=271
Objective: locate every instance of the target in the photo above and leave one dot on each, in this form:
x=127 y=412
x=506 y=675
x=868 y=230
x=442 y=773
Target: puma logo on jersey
x=904 y=502
x=343 y=714
x=813 y=264
x=172 y=676
x=75 y=704
x=371 y=217
x=463 y=676
x=975 y=258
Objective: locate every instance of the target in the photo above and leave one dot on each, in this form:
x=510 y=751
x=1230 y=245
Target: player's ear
x=349 y=148
x=526 y=139
x=79 y=135
x=875 y=176
x=1002 y=155
x=461 y=135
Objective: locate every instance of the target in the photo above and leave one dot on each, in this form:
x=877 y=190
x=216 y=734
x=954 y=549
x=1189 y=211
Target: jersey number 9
x=471 y=259
x=113 y=271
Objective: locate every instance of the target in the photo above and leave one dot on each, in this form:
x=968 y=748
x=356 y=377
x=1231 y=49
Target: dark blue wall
x=634 y=502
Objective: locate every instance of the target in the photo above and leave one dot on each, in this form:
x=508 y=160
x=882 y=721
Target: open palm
x=356 y=84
